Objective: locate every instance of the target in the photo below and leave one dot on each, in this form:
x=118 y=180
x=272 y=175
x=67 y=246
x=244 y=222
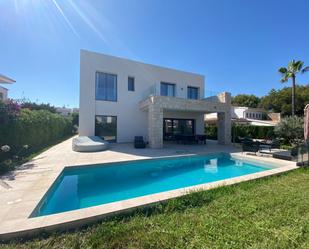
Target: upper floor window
x=131 y=86
x=192 y=92
x=1 y=96
x=106 y=87
x=167 y=89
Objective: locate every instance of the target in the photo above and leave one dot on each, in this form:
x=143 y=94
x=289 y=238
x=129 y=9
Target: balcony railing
x=210 y=96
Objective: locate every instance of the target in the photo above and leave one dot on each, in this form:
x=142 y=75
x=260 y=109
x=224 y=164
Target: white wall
x=4 y=92
x=238 y=112
x=131 y=121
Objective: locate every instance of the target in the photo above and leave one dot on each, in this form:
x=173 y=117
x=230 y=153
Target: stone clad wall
x=155 y=126
x=156 y=105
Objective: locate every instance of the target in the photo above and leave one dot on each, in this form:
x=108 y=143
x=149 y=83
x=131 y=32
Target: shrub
x=261 y=132
x=31 y=129
x=35 y=106
x=251 y=131
x=8 y=111
x=291 y=129
x=35 y=128
x=211 y=131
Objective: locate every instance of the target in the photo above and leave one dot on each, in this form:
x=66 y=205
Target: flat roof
x=2 y=87
x=6 y=80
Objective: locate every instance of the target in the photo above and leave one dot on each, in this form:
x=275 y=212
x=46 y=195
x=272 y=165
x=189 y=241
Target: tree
x=246 y=100
x=291 y=129
x=280 y=100
x=35 y=106
x=290 y=72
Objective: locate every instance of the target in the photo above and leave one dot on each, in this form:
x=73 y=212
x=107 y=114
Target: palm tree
x=294 y=67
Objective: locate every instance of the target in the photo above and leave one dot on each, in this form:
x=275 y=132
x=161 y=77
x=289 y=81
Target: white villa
x=248 y=115
x=121 y=98
x=4 y=91
x=66 y=111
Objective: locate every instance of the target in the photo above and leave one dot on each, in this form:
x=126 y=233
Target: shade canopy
x=306 y=123
x=6 y=80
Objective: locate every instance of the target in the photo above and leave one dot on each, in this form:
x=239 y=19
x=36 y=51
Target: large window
x=167 y=89
x=106 y=87
x=131 y=86
x=106 y=127
x=172 y=127
x=192 y=92
x=1 y=96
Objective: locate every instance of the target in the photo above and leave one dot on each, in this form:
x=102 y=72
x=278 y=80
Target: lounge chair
x=250 y=146
x=274 y=144
x=139 y=142
x=89 y=144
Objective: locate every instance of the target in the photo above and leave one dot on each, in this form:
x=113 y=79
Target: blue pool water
x=80 y=187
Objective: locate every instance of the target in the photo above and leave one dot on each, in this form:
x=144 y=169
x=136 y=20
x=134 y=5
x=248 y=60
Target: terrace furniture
x=274 y=144
x=139 y=142
x=284 y=155
x=250 y=146
x=188 y=138
x=89 y=144
x=178 y=138
x=201 y=139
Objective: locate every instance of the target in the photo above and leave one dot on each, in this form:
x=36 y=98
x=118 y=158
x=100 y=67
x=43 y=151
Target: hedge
x=250 y=131
x=35 y=129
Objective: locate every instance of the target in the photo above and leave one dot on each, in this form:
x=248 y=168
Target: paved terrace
x=21 y=191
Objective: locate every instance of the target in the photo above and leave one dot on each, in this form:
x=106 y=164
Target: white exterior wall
x=238 y=112
x=131 y=121
x=4 y=94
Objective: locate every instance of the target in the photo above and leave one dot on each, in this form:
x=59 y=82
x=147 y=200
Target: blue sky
x=237 y=44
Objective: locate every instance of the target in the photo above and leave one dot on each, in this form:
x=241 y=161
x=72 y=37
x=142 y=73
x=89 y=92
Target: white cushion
x=89 y=144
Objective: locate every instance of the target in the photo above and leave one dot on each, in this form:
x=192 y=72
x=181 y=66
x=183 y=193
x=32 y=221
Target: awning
x=6 y=80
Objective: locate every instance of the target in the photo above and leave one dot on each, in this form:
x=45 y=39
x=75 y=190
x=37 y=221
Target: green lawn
x=266 y=213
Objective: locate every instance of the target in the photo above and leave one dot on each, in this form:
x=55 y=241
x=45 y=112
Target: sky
x=237 y=44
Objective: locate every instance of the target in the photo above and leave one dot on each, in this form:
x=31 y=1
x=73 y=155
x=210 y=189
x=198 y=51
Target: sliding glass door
x=172 y=127
x=106 y=127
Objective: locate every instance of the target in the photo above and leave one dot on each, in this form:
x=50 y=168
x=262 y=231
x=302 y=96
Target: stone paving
x=21 y=190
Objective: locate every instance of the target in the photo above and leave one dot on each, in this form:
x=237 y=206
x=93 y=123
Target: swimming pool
x=87 y=186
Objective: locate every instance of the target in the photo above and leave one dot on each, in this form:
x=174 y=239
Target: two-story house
x=4 y=91
x=121 y=98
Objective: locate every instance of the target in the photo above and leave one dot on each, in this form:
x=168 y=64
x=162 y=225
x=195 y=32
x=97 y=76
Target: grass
x=267 y=213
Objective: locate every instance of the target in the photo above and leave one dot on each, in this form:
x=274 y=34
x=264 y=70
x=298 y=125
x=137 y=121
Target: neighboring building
x=239 y=112
x=3 y=93
x=6 y=80
x=75 y=110
x=247 y=115
x=66 y=111
x=121 y=98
